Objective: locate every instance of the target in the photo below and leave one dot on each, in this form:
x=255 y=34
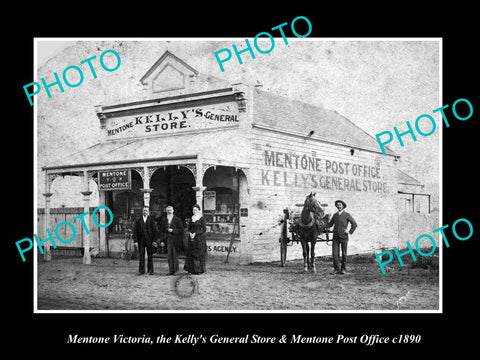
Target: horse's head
x=313 y=205
x=312 y=212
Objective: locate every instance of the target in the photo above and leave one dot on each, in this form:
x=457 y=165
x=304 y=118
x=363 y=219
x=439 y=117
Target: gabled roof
x=291 y=115
x=166 y=55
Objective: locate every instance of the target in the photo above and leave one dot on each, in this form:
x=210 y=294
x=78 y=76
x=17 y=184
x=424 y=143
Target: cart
x=289 y=233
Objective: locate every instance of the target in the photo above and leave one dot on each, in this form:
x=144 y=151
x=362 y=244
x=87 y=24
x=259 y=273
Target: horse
x=310 y=224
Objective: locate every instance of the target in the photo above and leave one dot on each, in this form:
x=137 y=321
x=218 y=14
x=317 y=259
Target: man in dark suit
x=340 y=222
x=171 y=233
x=144 y=233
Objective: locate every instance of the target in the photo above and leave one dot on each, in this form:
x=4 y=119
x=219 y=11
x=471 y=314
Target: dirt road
x=114 y=284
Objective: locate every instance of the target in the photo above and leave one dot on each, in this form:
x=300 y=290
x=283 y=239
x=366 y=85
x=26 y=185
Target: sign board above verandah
x=172 y=121
x=116 y=179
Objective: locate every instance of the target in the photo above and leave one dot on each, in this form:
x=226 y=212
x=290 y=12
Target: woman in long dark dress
x=195 y=262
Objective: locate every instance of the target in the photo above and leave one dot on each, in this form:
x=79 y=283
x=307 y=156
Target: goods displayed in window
x=223 y=218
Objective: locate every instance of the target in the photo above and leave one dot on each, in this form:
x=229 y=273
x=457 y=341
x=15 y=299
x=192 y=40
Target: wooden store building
x=242 y=154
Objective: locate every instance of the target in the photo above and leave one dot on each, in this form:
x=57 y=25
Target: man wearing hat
x=340 y=222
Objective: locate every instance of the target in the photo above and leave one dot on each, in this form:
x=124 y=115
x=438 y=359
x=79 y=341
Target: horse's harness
x=309 y=225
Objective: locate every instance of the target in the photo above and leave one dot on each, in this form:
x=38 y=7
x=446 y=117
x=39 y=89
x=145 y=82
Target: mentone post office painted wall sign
x=172 y=121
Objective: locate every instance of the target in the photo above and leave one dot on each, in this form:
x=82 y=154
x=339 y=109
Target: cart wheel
x=284 y=239
x=283 y=252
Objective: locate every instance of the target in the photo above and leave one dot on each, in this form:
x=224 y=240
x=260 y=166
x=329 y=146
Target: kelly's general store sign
x=172 y=121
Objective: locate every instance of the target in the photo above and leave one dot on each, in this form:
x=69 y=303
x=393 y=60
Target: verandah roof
x=168 y=149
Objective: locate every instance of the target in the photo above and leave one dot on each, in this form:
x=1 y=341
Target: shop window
x=125 y=205
x=221 y=211
x=221 y=202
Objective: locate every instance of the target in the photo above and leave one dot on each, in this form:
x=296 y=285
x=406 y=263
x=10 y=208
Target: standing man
x=171 y=232
x=144 y=233
x=340 y=221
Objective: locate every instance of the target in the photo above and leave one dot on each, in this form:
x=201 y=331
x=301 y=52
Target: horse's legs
x=312 y=253
x=305 y=254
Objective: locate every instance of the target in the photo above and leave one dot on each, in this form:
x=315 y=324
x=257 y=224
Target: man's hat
x=340 y=201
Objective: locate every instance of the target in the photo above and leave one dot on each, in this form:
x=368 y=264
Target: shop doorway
x=173 y=185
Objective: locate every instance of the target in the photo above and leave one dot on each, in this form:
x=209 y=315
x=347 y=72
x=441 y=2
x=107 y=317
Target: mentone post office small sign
x=119 y=179
x=172 y=121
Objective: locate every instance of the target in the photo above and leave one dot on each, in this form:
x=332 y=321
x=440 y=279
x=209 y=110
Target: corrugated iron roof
x=268 y=109
x=286 y=114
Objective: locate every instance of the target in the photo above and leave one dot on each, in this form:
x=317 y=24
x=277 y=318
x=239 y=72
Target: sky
x=47 y=49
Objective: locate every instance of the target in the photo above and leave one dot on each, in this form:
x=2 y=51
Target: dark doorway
x=172 y=185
